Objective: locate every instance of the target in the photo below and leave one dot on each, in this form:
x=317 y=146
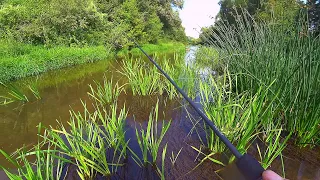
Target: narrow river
x=64 y=89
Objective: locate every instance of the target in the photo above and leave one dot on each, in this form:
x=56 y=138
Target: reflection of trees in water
x=21 y=122
x=26 y=116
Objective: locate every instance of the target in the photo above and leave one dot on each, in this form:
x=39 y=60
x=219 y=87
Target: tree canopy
x=279 y=13
x=90 y=22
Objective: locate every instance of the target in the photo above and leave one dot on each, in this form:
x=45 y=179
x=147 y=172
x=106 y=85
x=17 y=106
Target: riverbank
x=18 y=60
x=168 y=47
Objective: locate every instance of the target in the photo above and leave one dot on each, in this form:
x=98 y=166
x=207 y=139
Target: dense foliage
x=273 y=43
x=278 y=13
x=90 y=22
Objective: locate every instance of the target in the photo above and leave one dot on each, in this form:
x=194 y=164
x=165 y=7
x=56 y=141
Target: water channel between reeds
x=64 y=89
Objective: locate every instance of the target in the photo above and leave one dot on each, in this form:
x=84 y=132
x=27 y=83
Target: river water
x=64 y=89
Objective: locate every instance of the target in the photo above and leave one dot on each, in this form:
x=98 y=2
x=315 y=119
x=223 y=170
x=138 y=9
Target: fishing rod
x=248 y=165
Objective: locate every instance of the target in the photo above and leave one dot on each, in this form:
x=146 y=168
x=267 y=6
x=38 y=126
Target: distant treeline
x=90 y=22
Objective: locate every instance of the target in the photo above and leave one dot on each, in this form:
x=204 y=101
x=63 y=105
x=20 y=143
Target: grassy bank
x=18 y=60
x=166 y=47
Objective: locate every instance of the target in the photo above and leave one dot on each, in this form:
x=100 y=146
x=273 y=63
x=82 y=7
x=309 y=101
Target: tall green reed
x=105 y=93
x=35 y=91
x=14 y=93
x=185 y=76
x=150 y=139
x=240 y=117
x=143 y=78
x=264 y=53
x=88 y=144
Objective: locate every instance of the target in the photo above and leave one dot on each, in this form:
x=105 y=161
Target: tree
x=283 y=12
x=90 y=22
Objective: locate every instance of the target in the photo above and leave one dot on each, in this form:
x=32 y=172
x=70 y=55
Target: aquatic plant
x=208 y=57
x=239 y=117
x=35 y=91
x=150 y=139
x=113 y=125
x=286 y=55
x=105 y=93
x=47 y=163
x=142 y=78
x=184 y=76
x=174 y=157
x=14 y=94
x=86 y=143
x=273 y=145
x=161 y=172
x=5 y=100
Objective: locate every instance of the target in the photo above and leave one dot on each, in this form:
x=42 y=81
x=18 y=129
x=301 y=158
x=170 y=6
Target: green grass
x=184 y=76
x=149 y=141
x=105 y=93
x=142 y=78
x=91 y=147
x=240 y=117
x=15 y=94
x=35 y=91
x=273 y=145
x=262 y=54
x=166 y=47
x=18 y=60
x=145 y=79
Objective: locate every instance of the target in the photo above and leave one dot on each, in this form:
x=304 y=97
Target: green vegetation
x=35 y=91
x=94 y=142
x=14 y=94
x=144 y=78
x=267 y=54
x=46 y=169
x=86 y=142
x=143 y=81
x=38 y=36
x=207 y=57
x=166 y=47
x=262 y=95
x=245 y=117
x=149 y=140
x=90 y=23
x=241 y=117
x=105 y=93
x=20 y=60
x=49 y=166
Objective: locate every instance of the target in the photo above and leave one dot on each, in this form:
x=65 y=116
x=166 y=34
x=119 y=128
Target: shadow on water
x=61 y=90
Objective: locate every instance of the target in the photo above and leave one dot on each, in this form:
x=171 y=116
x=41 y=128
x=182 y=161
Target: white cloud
x=197 y=14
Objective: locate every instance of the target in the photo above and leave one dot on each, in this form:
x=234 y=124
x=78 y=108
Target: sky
x=197 y=14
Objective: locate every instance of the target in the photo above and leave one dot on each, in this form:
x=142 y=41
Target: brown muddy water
x=64 y=89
